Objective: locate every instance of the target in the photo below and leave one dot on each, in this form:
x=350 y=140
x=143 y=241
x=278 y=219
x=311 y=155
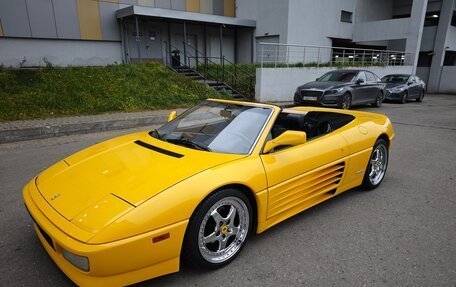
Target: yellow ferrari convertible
x=129 y=209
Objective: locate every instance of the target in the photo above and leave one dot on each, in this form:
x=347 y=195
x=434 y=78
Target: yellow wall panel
x=112 y=1
x=192 y=5
x=89 y=19
x=229 y=8
x=1 y=29
x=150 y=3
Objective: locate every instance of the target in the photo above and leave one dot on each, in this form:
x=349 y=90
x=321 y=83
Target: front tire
x=403 y=99
x=345 y=104
x=218 y=229
x=377 y=166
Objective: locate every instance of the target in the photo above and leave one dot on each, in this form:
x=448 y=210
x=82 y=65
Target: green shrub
x=51 y=91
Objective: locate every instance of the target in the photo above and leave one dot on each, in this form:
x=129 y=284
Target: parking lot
x=401 y=234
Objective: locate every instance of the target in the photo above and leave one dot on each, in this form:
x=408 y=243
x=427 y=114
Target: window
x=425 y=59
x=361 y=76
x=450 y=58
x=432 y=18
x=215 y=126
x=337 y=76
x=396 y=79
x=370 y=77
x=346 y=16
x=453 y=19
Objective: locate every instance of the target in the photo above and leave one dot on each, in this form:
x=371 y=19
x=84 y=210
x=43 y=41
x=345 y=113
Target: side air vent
x=157 y=149
x=306 y=188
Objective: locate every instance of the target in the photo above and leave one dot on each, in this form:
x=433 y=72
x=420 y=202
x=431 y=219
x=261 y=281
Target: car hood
x=323 y=85
x=119 y=175
x=394 y=85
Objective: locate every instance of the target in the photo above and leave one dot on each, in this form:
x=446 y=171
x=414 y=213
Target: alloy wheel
x=403 y=98
x=223 y=230
x=346 y=102
x=378 y=164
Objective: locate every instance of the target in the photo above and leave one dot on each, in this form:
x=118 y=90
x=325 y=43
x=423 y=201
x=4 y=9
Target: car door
x=372 y=87
x=301 y=176
x=416 y=87
x=360 y=90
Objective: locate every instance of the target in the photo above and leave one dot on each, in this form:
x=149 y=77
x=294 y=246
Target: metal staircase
x=220 y=79
x=216 y=85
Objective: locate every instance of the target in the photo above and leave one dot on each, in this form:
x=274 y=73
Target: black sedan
x=342 y=89
x=402 y=87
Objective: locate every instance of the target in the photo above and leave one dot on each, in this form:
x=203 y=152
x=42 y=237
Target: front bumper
x=328 y=100
x=393 y=96
x=116 y=263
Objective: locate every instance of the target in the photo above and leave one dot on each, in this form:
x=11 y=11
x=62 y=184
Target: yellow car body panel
x=126 y=208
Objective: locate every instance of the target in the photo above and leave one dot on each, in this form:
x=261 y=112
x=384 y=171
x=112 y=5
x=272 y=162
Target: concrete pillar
x=446 y=12
x=415 y=29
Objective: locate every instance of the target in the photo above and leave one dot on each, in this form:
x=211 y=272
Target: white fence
x=284 y=55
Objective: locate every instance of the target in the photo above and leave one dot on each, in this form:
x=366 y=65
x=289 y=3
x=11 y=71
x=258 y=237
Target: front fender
x=178 y=202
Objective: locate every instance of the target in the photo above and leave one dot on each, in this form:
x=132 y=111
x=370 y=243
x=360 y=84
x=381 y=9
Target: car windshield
x=396 y=79
x=216 y=127
x=338 y=76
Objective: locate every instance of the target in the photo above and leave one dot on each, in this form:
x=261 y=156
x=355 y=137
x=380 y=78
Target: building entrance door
x=191 y=48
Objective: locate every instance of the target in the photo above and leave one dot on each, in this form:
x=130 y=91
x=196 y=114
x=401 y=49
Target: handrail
x=236 y=78
x=329 y=47
x=301 y=55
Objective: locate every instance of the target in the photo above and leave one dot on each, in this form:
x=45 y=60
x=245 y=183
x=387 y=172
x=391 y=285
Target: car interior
x=314 y=124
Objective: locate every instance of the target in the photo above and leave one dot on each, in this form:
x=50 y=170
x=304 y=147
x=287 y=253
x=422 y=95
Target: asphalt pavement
x=401 y=234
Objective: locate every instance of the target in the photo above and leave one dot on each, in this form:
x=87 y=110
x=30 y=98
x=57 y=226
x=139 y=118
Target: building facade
x=92 y=32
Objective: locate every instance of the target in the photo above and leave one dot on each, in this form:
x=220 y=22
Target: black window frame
x=344 y=19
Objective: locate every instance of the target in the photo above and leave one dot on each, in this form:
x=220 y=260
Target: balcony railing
x=286 y=55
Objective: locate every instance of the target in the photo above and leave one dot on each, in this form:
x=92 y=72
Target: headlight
x=396 y=90
x=337 y=91
x=80 y=262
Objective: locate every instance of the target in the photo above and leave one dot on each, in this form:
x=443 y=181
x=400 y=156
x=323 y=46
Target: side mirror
x=317 y=79
x=409 y=83
x=172 y=116
x=286 y=139
x=359 y=81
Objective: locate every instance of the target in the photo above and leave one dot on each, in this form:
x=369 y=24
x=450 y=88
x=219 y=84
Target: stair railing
x=235 y=79
x=221 y=74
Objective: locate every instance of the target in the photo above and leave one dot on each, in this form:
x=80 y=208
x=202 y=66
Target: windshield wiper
x=155 y=134
x=189 y=143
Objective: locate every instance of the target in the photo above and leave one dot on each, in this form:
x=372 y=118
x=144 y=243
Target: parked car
x=403 y=87
x=342 y=89
x=131 y=208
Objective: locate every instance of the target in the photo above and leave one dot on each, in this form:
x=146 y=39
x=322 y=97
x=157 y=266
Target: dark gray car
x=402 y=87
x=342 y=89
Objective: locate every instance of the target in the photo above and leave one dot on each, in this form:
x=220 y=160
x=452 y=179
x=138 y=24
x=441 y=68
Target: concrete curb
x=8 y=136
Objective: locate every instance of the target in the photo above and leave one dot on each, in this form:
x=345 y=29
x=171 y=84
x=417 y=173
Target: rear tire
x=378 y=100
x=218 y=229
x=377 y=165
x=420 y=98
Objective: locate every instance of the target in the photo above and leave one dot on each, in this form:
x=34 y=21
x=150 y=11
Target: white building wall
x=451 y=38
x=271 y=16
x=316 y=22
x=447 y=80
x=37 y=52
